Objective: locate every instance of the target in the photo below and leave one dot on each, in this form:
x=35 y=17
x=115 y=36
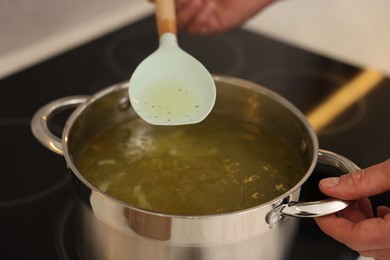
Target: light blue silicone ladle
x=170 y=87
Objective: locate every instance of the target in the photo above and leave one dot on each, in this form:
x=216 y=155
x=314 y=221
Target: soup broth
x=219 y=165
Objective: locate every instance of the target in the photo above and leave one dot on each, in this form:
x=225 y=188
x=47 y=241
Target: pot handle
x=315 y=208
x=39 y=122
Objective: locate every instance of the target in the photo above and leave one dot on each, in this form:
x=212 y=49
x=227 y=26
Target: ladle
x=170 y=87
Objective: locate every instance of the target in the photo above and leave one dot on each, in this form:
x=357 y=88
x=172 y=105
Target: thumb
x=364 y=183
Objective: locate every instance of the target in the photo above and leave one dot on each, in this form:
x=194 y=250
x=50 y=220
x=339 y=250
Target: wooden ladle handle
x=166 y=16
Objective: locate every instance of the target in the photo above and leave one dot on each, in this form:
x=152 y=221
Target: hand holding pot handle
x=316 y=208
x=359 y=226
x=39 y=123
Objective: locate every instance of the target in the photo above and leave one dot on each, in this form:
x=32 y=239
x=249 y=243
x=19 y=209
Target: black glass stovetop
x=36 y=219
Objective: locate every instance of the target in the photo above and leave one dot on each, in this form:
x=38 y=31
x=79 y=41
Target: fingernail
x=330 y=182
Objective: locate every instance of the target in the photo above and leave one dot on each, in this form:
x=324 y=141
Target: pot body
x=110 y=229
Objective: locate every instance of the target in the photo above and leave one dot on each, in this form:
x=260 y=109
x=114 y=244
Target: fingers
x=382 y=211
x=197 y=16
x=206 y=21
x=370 y=181
x=187 y=11
x=379 y=254
x=364 y=205
x=212 y=16
x=332 y=224
x=367 y=235
x=181 y=4
x=356 y=226
x=357 y=212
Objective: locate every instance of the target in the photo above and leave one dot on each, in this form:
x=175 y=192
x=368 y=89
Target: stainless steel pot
x=110 y=229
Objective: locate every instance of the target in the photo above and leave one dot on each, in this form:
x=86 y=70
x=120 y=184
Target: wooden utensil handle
x=166 y=16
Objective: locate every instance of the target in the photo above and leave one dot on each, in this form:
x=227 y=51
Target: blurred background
x=355 y=31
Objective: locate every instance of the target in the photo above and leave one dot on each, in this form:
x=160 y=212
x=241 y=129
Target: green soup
x=219 y=165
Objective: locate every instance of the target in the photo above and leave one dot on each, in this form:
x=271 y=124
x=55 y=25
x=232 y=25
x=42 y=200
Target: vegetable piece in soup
x=219 y=165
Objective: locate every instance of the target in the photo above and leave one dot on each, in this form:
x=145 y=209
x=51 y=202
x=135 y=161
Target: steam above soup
x=219 y=165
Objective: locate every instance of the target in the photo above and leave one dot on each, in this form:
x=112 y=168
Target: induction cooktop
x=36 y=220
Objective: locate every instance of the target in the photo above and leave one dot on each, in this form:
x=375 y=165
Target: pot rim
x=220 y=78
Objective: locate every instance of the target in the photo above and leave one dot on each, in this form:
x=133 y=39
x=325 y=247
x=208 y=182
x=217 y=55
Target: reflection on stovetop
x=35 y=207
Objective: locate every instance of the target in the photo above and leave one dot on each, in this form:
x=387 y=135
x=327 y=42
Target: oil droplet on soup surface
x=169 y=101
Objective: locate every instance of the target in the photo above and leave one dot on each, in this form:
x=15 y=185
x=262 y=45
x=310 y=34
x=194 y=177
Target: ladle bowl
x=170 y=87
